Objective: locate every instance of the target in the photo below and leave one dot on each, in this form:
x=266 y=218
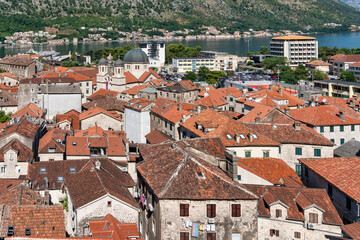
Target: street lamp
x=278 y=72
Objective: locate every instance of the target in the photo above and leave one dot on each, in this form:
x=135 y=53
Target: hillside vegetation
x=176 y=14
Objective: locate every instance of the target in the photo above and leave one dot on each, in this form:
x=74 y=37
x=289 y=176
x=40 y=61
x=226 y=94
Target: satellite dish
x=317 y=99
x=324 y=100
x=313 y=104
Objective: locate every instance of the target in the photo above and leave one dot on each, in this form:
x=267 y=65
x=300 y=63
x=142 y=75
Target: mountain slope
x=239 y=14
x=353 y=3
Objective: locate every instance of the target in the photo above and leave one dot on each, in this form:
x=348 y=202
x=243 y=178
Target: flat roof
x=293 y=37
x=195 y=58
x=338 y=82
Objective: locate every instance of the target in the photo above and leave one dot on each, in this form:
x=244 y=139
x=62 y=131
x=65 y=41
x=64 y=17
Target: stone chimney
x=287 y=111
x=342 y=115
x=251 y=138
x=297 y=126
x=352 y=103
x=257 y=119
x=271 y=87
x=184 y=118
x=179 y=107
x=98 y=164
x=198 y=110
x=237 y=138
x=281 y=91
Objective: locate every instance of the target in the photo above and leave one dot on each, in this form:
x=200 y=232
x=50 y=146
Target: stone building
x=21 y=67
x=295 y=213
x=97 y=116
x=178 y=203
x=121 y=75
x=48 y=93
x=183 y=91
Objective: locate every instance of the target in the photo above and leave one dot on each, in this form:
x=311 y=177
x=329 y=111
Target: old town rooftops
x=174 y=172
x=337 y=172
x=231 y=132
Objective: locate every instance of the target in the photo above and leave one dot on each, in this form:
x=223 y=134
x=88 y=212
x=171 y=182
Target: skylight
x=256 y=137
x=229 y=136
x=242 y=136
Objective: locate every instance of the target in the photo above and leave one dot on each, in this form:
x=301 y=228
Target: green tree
x=4 y=117
x=271 y=63
x=347 y=76
x=190 y=76
x=264 y=50
x=203 y=72
x=70 y=64
x=318 y=75
x=301 y=72
x=214 y=76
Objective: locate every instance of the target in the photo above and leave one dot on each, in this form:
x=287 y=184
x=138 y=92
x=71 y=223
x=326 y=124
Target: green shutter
x=298 y=170
x=342 y=141
x=341 y=128
x=352 y=127
x=322 y=129
x=248 y=154
x=331 y=128
x=317 y=152
x=298 y=151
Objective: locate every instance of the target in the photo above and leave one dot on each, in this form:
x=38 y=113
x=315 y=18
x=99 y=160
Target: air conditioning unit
x=211 y=220
x=150 y=207
x=310 y=226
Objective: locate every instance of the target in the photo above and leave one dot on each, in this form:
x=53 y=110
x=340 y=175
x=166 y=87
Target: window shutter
x=278 y=213
x=233 y=210
x=208 y=210
x=277 y=233
x=213 y=210
x=186 y=210
x=181 y=210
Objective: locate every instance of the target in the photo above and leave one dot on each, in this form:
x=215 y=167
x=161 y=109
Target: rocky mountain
x=237 y=14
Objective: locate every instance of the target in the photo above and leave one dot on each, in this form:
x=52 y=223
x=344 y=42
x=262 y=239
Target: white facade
x=297 y=50
x=155 y=52
x=339 y=134
x=45 y=157
x=137 y=124
x=255 y=151
x=184 y=65
x=10 y=167
x=102 y=120
x=59 y=103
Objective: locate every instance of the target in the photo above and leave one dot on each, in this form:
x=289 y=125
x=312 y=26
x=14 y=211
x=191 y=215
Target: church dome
x=103 y=61
x=136 y=56
x=118 y=63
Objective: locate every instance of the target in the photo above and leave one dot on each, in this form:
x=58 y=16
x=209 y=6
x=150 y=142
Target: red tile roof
x=347 y=58
x=91 y=183
x=108 y=103
x=135 y=90
x=95 y=131
x=158 y=82
x=326 y=115
x=55 y=139
x=174 y=172
x=76 y=76
x=23 y=127
x=20 y=195
x=24 y=154
x=297 y=199
x=337 y=172
x=72 y=116
x=270 y=169
x=29 y=110
x=102 y=93
x=169 y=109
x=110 y=227
x=43 y=221
x=225 y=128
x=258 y=111
x=352 y=230
x=132 y=79
x=97 y=110
x=156 y=136
x=138 y=103
x=286 y=134
x=317 y=63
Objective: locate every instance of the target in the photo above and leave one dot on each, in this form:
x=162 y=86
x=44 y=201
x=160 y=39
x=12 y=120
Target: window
x=333 y=140
x=239 y=177
x=60 y=179
x=236 y=210
x=330 y=189
x=165 y=124
x=278 y=213
x=322 y=129
x=109 y=203
x=279 y=150
x=3 y=169
x=87 y=84
x=27 y=232
x=10 y=231
x=87 y=91
x=331 y=128
x=341 y=128
x=42 y=170
x=266 y=154
x=342 y=141
x=235 y=236
x=184 y=236
x=297 y=234
x=317 y=152
x=184 y=210
x=80 y=84
x=313 y=218
x=210 y=210
x=274 y=232
x=72 y=170
x=231 y=99
x=210 y=236
x=298 y=169
x=170 y=126
x=352 y=127
x=248 y=154
x=348 y=203
x=51 y=150
x=298 y=151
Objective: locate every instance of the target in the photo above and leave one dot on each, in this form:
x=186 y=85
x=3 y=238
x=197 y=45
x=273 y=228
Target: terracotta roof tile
x=97 y=110
x=297 y=199
x=347 y=58
x=352 y=230
x=72 y=116
x=169 y=109
x=20 y=195
x=135 y=90
x=157 y=136
x=226 y=130
x=336 y=171
x=43 y=221
x=23 y=127
x=173 y=172
x=269 y=169
x=29 y=110
x=102 y=93
x=108 y=103
x=24 y=154
x=326 y=115
x=132 y=79
x=317 y=63
x=139 y=103
x=7 y=99
x=54 y=139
